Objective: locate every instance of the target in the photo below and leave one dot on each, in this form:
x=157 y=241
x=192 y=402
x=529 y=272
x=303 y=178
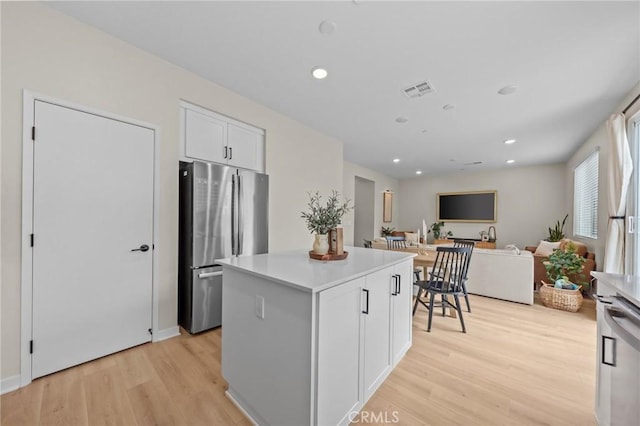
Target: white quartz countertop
x=296 y=269
x=626 y=285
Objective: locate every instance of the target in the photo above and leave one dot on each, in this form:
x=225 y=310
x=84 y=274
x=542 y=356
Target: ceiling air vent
x=474 y=163
x=418 y=90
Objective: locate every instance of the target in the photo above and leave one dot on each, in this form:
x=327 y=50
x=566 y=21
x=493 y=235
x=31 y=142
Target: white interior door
x=92 y=205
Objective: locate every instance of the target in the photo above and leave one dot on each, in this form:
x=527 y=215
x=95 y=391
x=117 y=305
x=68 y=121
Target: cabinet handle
x=366 y=310
x=396 y=284
x=230 y=153
x=613 y=350
x=225 y=152
x=603 y=299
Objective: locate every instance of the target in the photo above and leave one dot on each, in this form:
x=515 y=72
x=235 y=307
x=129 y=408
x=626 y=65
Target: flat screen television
x=476 y=206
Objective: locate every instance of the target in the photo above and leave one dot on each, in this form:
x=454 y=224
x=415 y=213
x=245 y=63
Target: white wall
x=530 y=200
x=382 y=183
x=599 y=139
x=50 y=53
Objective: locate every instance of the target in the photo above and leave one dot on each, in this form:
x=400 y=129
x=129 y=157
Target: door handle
x=230 y=153
x=398 y=282
x=225 y=152
x=143 y=247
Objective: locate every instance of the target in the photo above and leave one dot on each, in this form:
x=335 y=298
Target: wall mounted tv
x=477 y=206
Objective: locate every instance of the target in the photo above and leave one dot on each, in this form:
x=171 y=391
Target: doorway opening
x=364 y=210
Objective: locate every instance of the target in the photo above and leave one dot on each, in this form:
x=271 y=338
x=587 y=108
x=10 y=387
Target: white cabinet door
x=205 y=137
x=339 y=354
x=377 y=332
x=245 y=147
x=401 y=310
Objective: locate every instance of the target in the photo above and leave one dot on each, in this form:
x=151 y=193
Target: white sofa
x=502 y=274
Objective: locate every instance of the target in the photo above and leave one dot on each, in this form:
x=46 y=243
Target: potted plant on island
x=320 y=219
x=561 y=293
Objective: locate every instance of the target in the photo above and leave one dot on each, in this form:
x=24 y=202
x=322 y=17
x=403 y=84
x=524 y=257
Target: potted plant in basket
x=320 y=219
x=561 y=293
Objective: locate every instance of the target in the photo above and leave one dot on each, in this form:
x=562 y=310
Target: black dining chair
x=471 y=245
x=396 y=243
x=367 y=243
x=444 y=281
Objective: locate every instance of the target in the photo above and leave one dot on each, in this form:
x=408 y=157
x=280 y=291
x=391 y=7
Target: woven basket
x=557 y=298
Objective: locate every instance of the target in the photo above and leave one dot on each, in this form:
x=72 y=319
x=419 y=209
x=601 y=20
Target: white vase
x=321 y=244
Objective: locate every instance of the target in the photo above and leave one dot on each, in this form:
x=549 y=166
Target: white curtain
x=619 y=173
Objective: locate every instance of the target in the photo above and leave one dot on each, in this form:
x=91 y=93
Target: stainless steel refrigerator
x=223 y=212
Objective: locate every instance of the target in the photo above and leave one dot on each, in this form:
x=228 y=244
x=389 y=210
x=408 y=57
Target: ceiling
x=572 y=62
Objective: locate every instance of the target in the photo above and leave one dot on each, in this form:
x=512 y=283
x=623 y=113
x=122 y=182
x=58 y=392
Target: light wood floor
x=517 y=365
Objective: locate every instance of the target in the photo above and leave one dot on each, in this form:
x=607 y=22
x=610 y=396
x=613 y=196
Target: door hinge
x=30 y=346
x=33 y=133
x=31 y=238
x=151 y=332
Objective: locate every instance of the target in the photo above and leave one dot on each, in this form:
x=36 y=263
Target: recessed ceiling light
x=507 y=90
x=327 y=27
x=402 y=120
x=509 y=141
x=511 y=161
x=448 y=107
x=418 y=172
x=319 y=72
x=396 y=160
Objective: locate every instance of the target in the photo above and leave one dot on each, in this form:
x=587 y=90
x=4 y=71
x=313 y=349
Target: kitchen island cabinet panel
x=258 y=353
x=311 y=343
x=377 y=361
x=339 y=371
x=402 y=311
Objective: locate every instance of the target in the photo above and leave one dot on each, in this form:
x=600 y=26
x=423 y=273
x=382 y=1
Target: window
x=585 y=197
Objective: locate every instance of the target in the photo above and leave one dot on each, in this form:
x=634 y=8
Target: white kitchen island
x=307 y=341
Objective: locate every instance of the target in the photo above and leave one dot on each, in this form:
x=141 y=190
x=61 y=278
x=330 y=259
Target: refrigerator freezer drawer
x=204 y=300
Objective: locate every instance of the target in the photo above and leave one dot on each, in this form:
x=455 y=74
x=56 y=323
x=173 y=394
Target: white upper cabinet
x=244 y=147
x=208 y=136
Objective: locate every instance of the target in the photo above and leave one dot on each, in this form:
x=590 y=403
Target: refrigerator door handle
x=209 y=274
x=233 y=215
x=240 y=218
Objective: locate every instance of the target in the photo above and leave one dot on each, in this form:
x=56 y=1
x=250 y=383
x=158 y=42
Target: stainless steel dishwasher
x=624 y=319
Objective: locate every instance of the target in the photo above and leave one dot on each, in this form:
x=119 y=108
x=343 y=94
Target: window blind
x=585 y=197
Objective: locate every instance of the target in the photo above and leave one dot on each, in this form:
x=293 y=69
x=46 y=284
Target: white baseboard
x=165 y=334
x=9 y=384
x=235 y=402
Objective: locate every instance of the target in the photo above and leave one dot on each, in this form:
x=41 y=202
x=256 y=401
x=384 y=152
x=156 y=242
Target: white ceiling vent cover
x=419 y=89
